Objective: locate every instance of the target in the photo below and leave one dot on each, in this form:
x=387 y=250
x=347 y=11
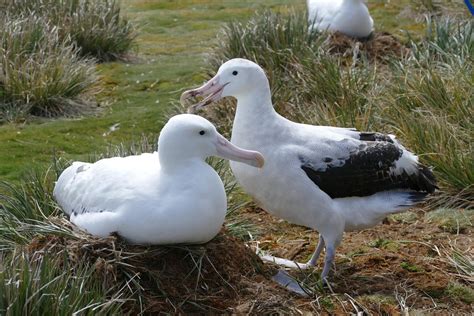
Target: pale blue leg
x=317 y=252
x=330 y=253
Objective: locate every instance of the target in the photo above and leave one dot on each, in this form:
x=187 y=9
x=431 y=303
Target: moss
x=327 y=303
x=411 y=267
x=404 y=218
x=382 y=243
x=461 y=292
x=450 y=220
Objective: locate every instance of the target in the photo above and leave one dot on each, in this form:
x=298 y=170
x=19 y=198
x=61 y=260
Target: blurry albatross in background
x=168 y=197
x=330 y=179
x=350 y=17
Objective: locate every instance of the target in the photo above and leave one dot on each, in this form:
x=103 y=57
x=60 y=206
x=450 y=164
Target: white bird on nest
x=167 y=197
x=330 y=179
x=350 y=17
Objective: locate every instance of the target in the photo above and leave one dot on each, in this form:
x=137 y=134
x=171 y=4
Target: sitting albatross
x=350 y=17
x=168 y=197
x=330 y=179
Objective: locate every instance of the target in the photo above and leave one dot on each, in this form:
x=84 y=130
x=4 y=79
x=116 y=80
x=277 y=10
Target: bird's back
x=104 y=185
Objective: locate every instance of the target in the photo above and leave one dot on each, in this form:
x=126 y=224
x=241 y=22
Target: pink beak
x=211 y=89
x=227 y=150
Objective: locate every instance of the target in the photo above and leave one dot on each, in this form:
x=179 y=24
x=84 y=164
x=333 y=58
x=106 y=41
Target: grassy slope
x=173 y=39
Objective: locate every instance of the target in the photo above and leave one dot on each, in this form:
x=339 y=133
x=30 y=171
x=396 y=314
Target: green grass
x=38 y=287
x=137 y=94
x=97 y=28
x=41 y=73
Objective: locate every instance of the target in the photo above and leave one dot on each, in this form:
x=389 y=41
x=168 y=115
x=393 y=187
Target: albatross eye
x=202 y=132
x=235 y=72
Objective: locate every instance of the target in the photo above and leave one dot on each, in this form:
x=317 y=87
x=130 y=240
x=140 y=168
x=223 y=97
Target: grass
x=97 y=28
x=41 y=74
x=37 y=287
x=137 y=95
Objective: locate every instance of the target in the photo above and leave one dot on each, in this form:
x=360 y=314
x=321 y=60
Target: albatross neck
x=255 y=107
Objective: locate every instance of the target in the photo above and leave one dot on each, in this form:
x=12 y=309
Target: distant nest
x=174 y=279
x=379 y=47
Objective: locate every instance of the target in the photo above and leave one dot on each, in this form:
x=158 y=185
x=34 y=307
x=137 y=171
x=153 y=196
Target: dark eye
x=202 y=132
x=235 y=72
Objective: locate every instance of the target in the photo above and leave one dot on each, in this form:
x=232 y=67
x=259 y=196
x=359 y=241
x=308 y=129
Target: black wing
x=368 y=171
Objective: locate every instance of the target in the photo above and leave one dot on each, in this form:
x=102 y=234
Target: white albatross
x=168 y=197
x=330 y=179
x=350 y=17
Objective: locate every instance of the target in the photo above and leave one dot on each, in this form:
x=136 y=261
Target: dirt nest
x=379 y=47
x=223 y=275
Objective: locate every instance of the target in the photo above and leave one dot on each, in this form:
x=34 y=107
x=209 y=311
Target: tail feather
x=413 y=198
x=365 y=212
x=426 y=178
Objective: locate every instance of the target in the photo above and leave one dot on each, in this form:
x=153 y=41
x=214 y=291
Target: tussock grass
x=97 y=28
x=425 y=96
x=35 y=286
x=447 y=40
x=40 y=74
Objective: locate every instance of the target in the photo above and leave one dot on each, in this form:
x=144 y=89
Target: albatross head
x=237 y=78
x=190 y=136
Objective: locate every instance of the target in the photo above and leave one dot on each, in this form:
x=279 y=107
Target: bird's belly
x=177 y=223
x=186 y=212
x=283 y=197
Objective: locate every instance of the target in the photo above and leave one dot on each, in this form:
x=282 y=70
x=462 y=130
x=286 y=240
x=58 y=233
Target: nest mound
x=177 y=279
x=379 y=47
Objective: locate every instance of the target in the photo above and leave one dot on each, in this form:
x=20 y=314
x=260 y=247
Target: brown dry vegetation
x=404 y=265
x=411 y=263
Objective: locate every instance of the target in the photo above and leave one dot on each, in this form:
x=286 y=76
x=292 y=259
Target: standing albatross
x=330 y=179
x=168 y=197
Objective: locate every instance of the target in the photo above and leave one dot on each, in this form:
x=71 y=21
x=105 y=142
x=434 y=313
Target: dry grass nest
x=378 y=47
x=217 y=276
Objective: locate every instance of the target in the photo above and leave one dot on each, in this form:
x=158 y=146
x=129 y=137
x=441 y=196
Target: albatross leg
x=296 y=265
x=328 y=260
x=317 y=252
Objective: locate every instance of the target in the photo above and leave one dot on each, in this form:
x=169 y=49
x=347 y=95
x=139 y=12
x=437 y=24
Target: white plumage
x=350 y=17
x=327 y=178
x=167 y=197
